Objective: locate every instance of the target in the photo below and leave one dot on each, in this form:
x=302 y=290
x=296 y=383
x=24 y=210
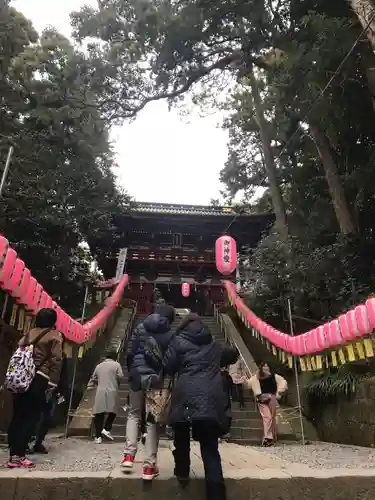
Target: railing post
x=296 y=375
x=75 y=366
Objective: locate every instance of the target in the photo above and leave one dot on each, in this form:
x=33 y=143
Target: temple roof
x=174 y=208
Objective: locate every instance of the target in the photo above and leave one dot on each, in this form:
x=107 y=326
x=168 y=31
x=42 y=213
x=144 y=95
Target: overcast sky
x=161 y=157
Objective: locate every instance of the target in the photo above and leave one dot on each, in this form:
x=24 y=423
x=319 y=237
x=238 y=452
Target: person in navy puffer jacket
x=200 y=401
x=142 y=375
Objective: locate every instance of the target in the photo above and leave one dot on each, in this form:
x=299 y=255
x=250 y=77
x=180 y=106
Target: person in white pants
x=157 y=327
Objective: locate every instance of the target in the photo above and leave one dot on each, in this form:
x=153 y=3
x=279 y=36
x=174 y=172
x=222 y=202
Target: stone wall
x=345 y=421
x=350 y=422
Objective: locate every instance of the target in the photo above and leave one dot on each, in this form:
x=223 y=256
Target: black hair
x=186 y=320
x=262 y=364
x=166 y=311
x=46 y=318
x=229 y=357
x=111 y=354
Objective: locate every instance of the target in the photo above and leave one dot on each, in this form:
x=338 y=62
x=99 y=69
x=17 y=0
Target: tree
x=365 y=11
x=61 y=188
x=302 y=129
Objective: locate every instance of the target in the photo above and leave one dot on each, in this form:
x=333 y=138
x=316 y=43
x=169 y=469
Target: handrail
x=229 y=338
x=129 y=326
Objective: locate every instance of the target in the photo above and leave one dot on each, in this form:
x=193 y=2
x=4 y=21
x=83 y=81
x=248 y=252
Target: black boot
x=182 y=473
x=215 y=491
x=40 y=449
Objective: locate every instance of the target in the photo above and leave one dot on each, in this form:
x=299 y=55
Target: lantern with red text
x=185 y=289
x=226 y=255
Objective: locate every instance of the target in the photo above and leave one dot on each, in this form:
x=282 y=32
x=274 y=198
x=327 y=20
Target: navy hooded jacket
x=198 y=394
x=157 y=327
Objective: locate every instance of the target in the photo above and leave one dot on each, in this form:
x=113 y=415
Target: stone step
x=269 y=484
x=245 y=414
x=79 y=469
x=253 y=423
x=240 y=433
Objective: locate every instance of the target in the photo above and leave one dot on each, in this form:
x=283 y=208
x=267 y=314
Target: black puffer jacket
x=155 y=326
x=198 y=394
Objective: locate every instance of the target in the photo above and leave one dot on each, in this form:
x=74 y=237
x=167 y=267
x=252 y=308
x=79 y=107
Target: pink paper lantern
x=42 y=301
x=185 y=289
x=4 y=246
x=15 y=278
x=8 y=266
x=226 y=255
x=27 y=299
x=37 y=296
x=333 y=334
x=20 y=292
x=48 y=303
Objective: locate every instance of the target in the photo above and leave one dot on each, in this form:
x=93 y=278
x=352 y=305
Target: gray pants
x=136 y=400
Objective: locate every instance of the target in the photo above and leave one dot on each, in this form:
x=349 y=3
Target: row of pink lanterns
x=16 y=279
x=357 y=323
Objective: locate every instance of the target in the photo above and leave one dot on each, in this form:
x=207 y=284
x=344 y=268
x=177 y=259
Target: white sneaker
x=98 y=440
x=107 y=434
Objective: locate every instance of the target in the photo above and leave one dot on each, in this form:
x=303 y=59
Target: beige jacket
x=106 y=378
x=47 y=353
x=238 y=372
x=254 y=384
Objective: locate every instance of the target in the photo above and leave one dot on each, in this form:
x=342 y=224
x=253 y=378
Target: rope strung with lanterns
x=29 y=298
x=342 y=340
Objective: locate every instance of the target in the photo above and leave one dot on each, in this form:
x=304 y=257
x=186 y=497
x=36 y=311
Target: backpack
x=21 y=369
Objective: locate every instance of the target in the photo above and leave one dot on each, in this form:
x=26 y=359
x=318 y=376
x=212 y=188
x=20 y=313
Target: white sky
x=162 y=157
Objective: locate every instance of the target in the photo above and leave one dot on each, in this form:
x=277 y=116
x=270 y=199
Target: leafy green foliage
x=321 y=139
x=341 y=383
x=61 y=188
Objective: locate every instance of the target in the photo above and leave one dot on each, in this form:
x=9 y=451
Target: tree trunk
x=365 y=10
x=340 y=203
x=269 y=161
x=367 y=60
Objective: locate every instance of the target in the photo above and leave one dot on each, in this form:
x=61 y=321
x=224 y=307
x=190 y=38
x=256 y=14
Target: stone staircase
x=81 y=422
x=119 y=426
x=246 y=424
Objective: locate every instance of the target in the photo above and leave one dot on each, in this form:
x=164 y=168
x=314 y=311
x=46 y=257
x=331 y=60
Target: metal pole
x=71 y=394
x=6 y=169
x=296 y=375
x=84 y=305
x=75 y=367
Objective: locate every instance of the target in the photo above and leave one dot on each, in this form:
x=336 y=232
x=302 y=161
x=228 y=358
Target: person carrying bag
x=33 y=370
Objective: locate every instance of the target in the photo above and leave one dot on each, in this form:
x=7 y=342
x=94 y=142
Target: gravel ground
x=324 y=455
x=83 y=455
x=76 y=455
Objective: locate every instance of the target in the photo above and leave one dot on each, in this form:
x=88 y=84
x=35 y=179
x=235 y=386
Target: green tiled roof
x=172 y=208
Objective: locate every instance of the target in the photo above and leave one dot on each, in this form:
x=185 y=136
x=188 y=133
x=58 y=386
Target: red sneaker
x=20 y=463
x=128 y=462
x=150 y=472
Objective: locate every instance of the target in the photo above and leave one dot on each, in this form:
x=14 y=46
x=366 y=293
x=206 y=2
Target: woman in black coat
x=199 y=401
